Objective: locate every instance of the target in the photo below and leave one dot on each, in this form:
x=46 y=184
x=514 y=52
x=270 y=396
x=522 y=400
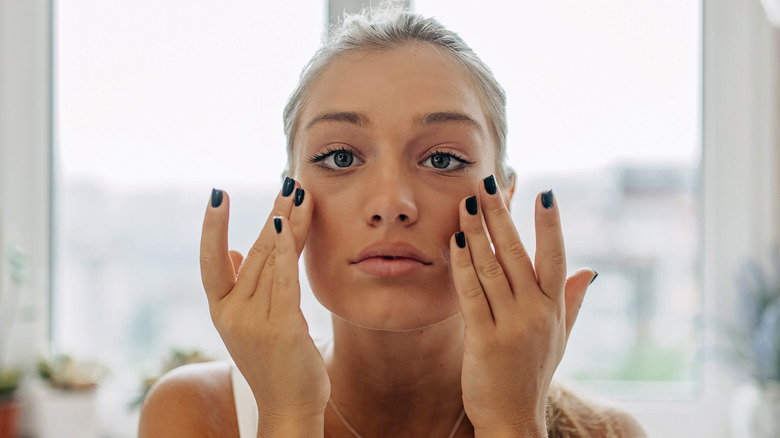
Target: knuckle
x=284 y=281
x=463 y=262
x=516 y=249
x=491 y=269
x=259 y=250
x=270 y=262
x=473 y=291
x=557 y=256
x=498 y=209
x=207 y=260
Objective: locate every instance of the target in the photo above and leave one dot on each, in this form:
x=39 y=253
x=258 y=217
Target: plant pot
x=755 y=411
x=65 y=414
x=9 y=416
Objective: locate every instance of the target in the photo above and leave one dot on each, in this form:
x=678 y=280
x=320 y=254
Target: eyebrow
x=350 y=117
x=435 y=118
x=442 y=117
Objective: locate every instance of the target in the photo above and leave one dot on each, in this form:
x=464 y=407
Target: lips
x=391 y=259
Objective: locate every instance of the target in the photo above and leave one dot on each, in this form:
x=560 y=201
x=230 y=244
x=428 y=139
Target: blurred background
x=655 y=122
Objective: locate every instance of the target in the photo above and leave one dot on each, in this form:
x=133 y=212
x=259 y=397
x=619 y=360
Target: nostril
x=376 y=218
x=403 y=217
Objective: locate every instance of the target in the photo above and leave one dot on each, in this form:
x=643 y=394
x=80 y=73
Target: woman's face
x=387 y=146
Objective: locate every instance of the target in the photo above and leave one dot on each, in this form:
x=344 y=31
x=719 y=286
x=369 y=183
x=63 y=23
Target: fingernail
x=594 y=277
x=490 y=185
x=460 y=239
x=471 y=205
x=288 y=186
x=278 y=224
x=547 y=199
x=216 y=198
x=299 y=196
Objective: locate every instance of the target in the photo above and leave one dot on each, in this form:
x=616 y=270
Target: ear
x=509 y=192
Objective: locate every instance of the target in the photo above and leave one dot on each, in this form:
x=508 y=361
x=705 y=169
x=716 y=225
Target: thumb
x=576 y=286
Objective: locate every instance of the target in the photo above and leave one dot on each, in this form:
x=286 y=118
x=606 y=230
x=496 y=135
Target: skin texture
x=466 y=329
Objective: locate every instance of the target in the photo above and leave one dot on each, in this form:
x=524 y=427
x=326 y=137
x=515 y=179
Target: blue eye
x=445 y=161
x=440 y=161
x=343 y=158
x=336 y=159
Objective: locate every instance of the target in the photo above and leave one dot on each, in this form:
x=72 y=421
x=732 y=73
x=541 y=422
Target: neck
x=398 y=383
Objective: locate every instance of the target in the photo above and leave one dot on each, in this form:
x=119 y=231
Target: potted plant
x=17 y=265
x=9 y=406
x=754 y=349
x=66 y=405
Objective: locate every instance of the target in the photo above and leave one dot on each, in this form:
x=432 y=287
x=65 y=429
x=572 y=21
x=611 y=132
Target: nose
x=391 y=199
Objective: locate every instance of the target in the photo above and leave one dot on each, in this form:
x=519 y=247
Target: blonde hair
x=570 y=415
x=388 y=26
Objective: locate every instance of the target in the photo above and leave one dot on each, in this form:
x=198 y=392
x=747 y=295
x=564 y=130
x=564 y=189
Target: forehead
x=394 y=85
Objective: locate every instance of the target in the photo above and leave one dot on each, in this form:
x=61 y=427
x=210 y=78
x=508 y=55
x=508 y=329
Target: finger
x=491 y=274
x=576 y=286
x=300 y=217
x=509 y=248
x=550 y=259
x=236 y=258
x=286 y=294
x=473 y=303
x=216 y=268
x=257 y=256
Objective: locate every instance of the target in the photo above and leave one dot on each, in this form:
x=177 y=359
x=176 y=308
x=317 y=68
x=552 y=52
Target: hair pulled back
x=389 y=26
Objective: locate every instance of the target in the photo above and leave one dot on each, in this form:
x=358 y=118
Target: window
x=122 y=67
x=158 y=102
x=603 y=107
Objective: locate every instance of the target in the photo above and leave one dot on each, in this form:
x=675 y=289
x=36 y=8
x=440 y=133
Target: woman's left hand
x=518 y=314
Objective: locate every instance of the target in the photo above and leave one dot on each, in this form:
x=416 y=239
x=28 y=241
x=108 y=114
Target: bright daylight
x=443 y=217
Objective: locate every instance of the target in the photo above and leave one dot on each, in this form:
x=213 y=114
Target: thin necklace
x=357 y=435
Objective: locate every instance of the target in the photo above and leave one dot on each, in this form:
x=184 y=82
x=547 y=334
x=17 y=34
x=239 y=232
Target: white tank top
x=246 y=407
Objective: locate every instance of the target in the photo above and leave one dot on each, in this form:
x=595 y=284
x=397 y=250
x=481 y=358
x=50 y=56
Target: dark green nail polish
x=216 y=198
x=594 y=277
x=460 y=239
x=547 y=199
x=299 y=196
x=288 y=186
x=471 y=205
x=278 y=224
x=490 y=185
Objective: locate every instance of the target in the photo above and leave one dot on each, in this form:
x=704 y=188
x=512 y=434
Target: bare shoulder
x=194 y=400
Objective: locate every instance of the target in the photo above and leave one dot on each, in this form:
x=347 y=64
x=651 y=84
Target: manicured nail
x=460 y=239
x=216 y=198
x=594 y=277
x=471 y=205
x=299 y=196
x=278 y=224
x=288 y=186
x=490 y=185
x=547 y=199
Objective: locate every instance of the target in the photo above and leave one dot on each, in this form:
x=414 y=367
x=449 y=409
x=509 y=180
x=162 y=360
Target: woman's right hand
x=255 y=307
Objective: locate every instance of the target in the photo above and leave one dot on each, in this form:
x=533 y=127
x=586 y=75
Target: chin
x=392 y=308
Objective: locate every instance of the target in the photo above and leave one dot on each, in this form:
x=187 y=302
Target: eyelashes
x=441 y=160
x=335 y=158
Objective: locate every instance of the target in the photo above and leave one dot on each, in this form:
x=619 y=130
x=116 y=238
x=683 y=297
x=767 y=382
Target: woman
x=398 y=195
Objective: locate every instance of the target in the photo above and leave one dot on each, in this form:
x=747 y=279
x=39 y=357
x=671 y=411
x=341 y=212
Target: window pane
x=158 y=102
x=604 y=109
